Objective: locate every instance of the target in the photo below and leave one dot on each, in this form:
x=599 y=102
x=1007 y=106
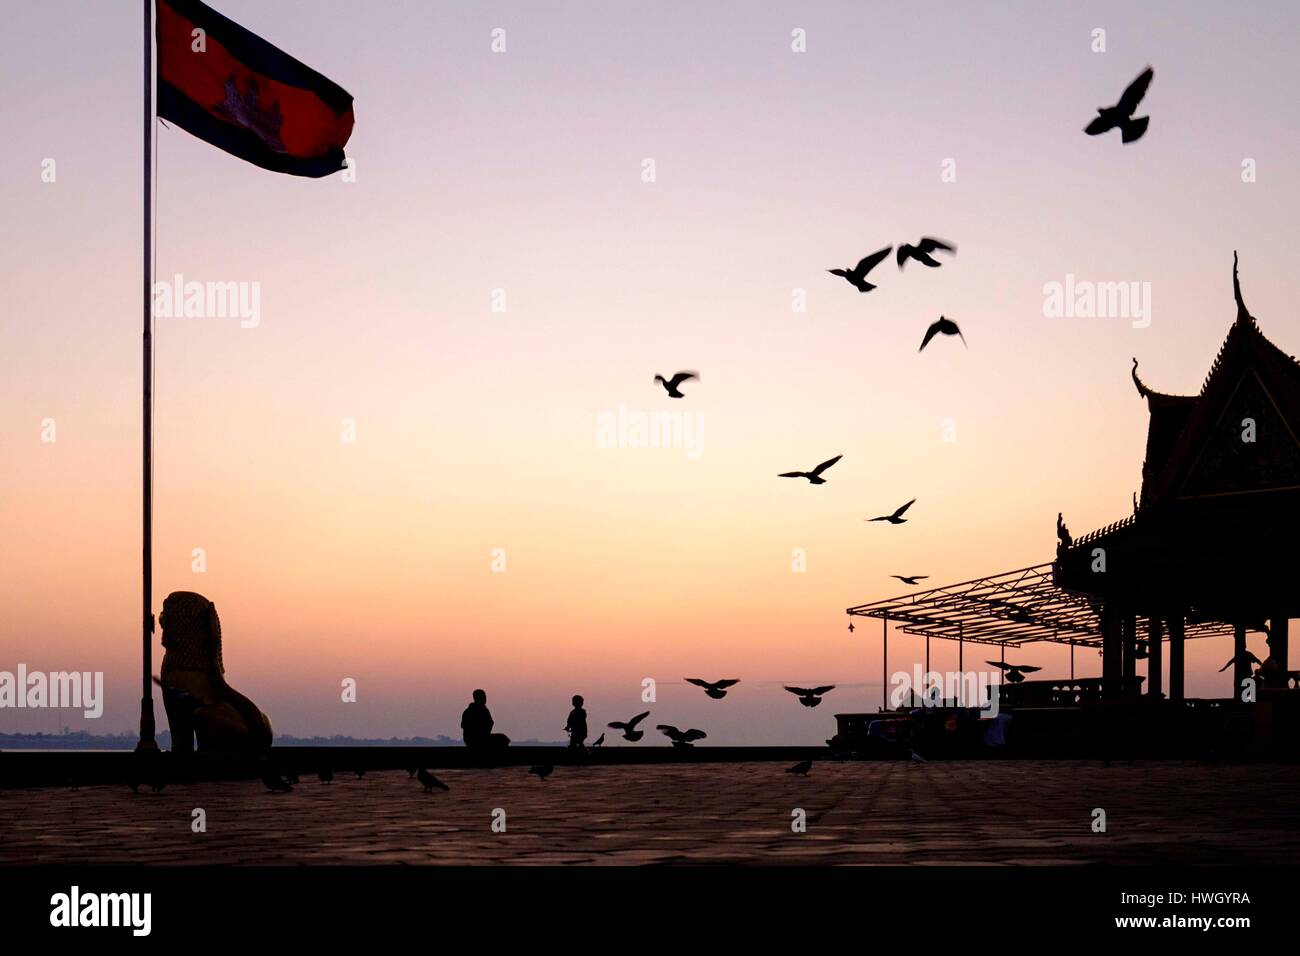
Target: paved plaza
x=992 y=812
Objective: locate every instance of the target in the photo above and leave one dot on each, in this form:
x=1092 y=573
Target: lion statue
x=198 y=700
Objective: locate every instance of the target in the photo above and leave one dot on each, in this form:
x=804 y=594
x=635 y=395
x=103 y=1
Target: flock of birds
x=921 y=252
x=1120 y=116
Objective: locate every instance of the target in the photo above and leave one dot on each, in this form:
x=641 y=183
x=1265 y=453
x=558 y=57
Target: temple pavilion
x=1209 y=550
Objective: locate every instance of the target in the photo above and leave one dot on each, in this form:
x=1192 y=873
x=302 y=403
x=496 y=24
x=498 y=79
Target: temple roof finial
x=1243 y=314
x=1143 y=391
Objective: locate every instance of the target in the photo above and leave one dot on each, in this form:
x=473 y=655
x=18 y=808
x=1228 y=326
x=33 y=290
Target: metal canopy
x=1008 y=609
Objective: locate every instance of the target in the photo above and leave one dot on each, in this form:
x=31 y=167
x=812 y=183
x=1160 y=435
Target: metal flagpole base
x=147 y=728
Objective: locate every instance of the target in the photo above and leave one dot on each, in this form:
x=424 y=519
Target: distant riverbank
x=80 y=740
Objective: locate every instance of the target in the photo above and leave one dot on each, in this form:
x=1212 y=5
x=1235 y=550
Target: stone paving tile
x=995 y=812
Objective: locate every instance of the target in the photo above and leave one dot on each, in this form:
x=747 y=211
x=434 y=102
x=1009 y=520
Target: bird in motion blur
x=629 y=727
x=1015 y=673
x=857 y=276
x=897 y=516
x=275 y=783
x=716 y=689
x=941 y=326
x=429 y=781
x=681 y=738
x=1121 y=114
x=671 y=385
x=921 y=252
x=810 y=696
x=1246 y=657
x=815 y=476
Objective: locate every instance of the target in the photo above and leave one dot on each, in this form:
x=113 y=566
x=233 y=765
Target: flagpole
x=147 y=741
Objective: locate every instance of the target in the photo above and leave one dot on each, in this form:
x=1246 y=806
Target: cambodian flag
x=231 y=88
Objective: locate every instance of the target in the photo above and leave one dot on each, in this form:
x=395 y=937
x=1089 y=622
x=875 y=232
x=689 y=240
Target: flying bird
x=910 y=578
x=671 y=384
x=921 y=252
x=801 y=768
x=896 y=517
x=325 y=776
x=601 y=740
x=1247 y=658
x=857 y=276
x=275 y=783
x=810 y=696
x=681 y=738
x=1121 y=114
x=815 y=476
x=430 y=781
x=942 y=325
x=542 y=771
x=629 y=727
x=717 y=690
x=1015 y=673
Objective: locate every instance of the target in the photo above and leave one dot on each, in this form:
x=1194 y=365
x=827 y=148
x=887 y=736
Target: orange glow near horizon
x=477 y=430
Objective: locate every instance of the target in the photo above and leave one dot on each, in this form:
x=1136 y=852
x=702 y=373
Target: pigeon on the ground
x=430 y=781
x=275 y=783
x=681 y=738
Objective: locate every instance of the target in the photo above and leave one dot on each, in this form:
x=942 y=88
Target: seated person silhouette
x=198 y=700
x=476 y=726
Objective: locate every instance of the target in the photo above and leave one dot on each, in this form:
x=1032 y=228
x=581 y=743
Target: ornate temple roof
x=1250 y=372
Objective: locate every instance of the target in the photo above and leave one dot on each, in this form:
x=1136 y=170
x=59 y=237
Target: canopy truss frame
x=1009 y=609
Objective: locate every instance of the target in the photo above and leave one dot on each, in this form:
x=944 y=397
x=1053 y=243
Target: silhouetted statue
x=476 y=725
x=1062 y=532
x=577 y=723
x=198 y=700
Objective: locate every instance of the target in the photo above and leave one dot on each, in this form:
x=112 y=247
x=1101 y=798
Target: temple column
x=1128 y=643
x=1277 y=643
x=1240 y=666
x=1112 y=666
x=1176 y=656
x=1155 y=658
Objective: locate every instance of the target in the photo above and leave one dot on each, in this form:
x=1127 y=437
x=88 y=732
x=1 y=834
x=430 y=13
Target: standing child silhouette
x=577 y=725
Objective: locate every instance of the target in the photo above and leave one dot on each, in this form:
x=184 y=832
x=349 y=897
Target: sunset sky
x=477 y=429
